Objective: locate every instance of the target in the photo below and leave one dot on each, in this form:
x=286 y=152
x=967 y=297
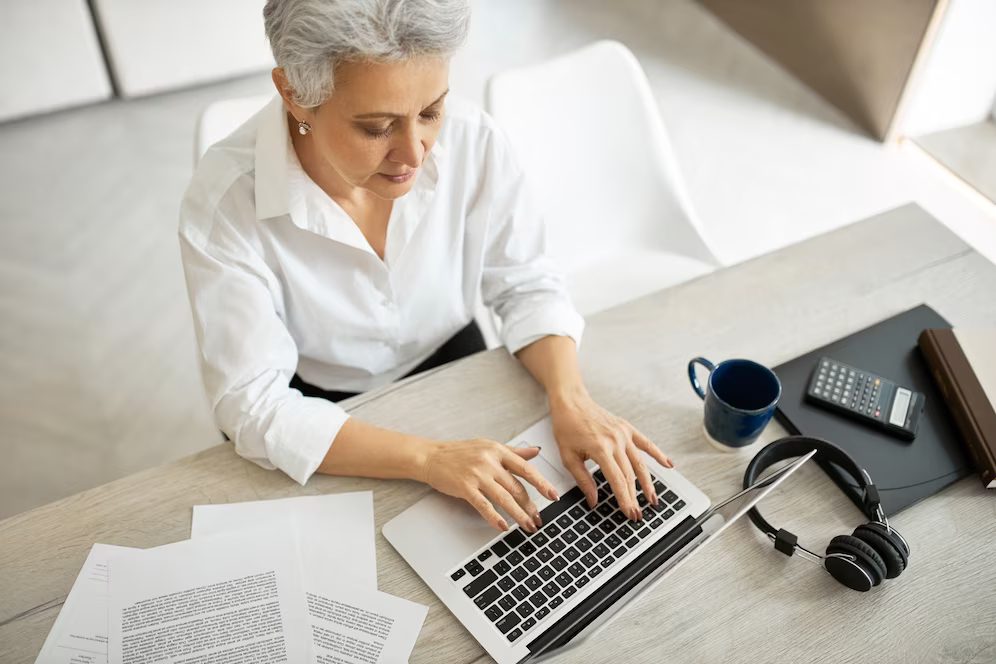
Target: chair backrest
x=222 y=118
x=589 y=134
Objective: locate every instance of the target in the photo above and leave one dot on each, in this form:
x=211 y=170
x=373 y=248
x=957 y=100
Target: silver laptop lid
x=711 y=529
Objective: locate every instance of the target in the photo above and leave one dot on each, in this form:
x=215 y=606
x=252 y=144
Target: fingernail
x=538 y=520
x=653 y=499
x=504 y=525
x=554 y=495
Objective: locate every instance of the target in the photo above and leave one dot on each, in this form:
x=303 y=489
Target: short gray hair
x=309 y=38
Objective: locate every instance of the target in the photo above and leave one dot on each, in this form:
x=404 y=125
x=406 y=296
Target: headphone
x=875 y=551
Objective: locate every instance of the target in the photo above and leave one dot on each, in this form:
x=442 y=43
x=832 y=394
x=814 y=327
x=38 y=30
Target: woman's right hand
x=484 y=473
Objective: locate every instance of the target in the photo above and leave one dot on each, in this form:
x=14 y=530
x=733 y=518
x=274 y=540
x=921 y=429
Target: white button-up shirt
x=281 y=279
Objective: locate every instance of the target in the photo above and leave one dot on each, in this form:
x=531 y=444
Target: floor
x=969 y=152
x=98 y=376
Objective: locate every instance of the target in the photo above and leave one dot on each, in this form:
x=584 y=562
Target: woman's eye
x=377 y=132
x=430 y=116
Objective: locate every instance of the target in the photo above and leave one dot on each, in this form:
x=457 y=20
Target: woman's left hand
x=584 y=430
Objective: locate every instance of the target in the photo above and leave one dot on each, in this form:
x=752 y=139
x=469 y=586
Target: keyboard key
x=678 y=505
x=604 y=509
x=474 y=588
x=527 y=549
x=618 y=517
x=583 y=544
x=581 y=527
x=670 y=496
x=576 y=570
x=557 y=545
x=596 y=535
x=514 y=539
x=564 y=521
x=508 y=622
x=506 y=583
x=608 y=560
x=485 y=599
x=612 y=541
x=551 y=589
x=514 y=558
x=601 y=550
x=589 y=560
x=592 y=517
x=484 y=555
x=659 y=487
x=642 y=501
x=571 y=553
x=538 y=599
x=581 y=582
x=531 y=564
x=576 y=512
x=520 y=593
x=555 y=602
x=456 y=576
x=643 y=532
x=546 y=573
x=668 y=513
x=632 y=541
x=568 y=591
x=474 y=567
x=620 y=552
x=500 y=548
x=552 y=530
x=506 y=602
x=656 y=522
x=550 y=513
x=624 y=531
x=525 y=609
x=545 y=555
x=569 y=536
x=501 y=567
x=539 y=539
x=533 y=582
x=601 y=494
x=565 y=579
x=526 y=624
x=519 y=573
x=494 y=613
x=599 y=476
x=558 y=563
x=594 y=571
x=514 y=634
x=648 y=512
x=544 y=612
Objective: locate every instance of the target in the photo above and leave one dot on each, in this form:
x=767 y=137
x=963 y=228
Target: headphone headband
x=796 y=446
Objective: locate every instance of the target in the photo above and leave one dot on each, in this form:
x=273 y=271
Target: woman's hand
x=483 y=472
x=585 y=430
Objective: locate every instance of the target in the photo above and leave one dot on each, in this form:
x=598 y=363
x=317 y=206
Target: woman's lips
x=398 y=179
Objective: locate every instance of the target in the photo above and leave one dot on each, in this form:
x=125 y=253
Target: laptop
x=527 y=597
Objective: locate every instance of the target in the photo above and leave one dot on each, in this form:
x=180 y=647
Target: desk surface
x=740 y=601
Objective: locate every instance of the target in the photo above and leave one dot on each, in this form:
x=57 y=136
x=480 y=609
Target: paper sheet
x=216 y=600
x=335 y=530
x=350 y=620
x=79 y=635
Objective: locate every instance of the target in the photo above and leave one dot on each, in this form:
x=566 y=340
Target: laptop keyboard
x=518 y=578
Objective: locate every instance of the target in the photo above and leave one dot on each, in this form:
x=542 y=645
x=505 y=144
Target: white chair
x=221 y=118
x=588 y=132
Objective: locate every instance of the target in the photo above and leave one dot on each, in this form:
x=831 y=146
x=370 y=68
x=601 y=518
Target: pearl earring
x=303 y=128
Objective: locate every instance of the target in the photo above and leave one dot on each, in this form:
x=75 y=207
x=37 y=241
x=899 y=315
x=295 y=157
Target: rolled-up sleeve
x=519 y=282
x=248 y=356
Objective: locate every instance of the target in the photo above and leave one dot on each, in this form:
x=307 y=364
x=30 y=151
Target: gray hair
x=309 y=38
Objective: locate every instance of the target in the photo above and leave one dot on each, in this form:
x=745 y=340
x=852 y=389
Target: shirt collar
x=283 y=188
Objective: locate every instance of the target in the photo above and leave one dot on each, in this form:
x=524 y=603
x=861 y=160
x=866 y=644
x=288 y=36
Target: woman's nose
x=409 y=150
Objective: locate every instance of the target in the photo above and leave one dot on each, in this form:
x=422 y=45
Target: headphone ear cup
x=889 y=552
x=893 y=537
x=866 y=567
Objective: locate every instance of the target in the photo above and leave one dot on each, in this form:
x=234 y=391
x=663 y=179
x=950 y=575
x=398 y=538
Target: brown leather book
x=963 y=363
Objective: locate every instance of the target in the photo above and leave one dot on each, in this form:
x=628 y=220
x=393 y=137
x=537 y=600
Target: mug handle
x=694 y=379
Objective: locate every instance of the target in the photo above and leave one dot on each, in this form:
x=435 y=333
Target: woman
x=338 y=241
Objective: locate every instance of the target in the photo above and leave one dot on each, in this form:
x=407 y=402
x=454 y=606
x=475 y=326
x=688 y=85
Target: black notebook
x=904 y=472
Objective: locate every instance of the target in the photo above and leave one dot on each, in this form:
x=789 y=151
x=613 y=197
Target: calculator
x=866 y=397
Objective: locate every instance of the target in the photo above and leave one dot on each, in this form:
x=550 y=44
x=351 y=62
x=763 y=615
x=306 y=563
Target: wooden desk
x=739 y=601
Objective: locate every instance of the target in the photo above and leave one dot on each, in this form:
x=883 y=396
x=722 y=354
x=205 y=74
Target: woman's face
x=377 y=127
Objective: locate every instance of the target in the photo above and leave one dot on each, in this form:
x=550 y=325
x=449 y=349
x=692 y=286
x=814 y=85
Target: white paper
x=333 y=531
x=79 y=635
x=222 y=599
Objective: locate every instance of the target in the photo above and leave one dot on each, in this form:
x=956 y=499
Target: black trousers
x=466 y=342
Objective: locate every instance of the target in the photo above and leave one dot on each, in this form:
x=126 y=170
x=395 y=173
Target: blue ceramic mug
x=739 y=402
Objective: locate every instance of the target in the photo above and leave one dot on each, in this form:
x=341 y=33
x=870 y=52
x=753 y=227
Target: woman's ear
x=283 y=86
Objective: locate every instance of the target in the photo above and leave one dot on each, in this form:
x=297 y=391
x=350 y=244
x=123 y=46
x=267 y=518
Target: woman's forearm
x=553 y=362
x=361 y=449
